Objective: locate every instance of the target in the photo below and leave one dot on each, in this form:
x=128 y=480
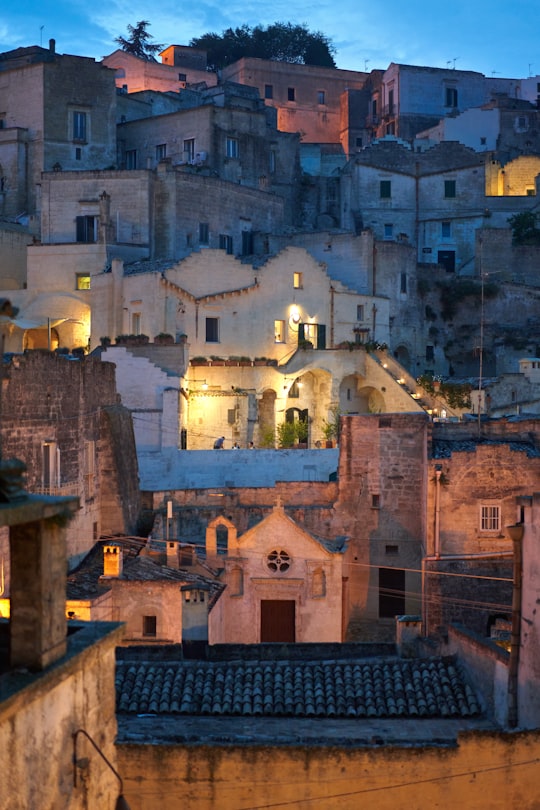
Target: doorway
x=391 y=592
x=278 y=620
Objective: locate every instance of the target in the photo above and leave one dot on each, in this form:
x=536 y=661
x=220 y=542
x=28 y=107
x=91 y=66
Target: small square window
x=297 y=281
x=182 y=77
x=375 y=501
x=149 y=626
x=212 y=330
x=391 y=550
x=269 y=91
x=358 y=143
x=161 y=151
x=82 y=281
x=449 y=188
x=385 y=189
x=231 y=148
x=290 y=94
x=483 y=141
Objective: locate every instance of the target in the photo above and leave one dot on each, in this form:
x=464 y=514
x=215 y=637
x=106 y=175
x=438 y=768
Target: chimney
x=172 y=553
x=112 y=560
x=52 y=45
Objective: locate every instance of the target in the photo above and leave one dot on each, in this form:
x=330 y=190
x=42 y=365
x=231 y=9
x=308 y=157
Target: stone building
x=61 y=417
x=58 y=114
x=282 y=584
x=180 y=67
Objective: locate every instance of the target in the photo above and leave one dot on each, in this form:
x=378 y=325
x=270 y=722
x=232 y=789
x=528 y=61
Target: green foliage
x=458 y=395
x=280 y=42
x=525 y=229
x=330 y=427
x=138 y=42
x=267 y=439
x=288 y=433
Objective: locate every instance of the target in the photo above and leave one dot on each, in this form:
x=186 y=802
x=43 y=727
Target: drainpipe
x=332 y=304
x=516 y=533
x=437 y=549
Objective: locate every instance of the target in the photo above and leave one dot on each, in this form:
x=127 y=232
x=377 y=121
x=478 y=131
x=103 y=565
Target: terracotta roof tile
x=430 y=688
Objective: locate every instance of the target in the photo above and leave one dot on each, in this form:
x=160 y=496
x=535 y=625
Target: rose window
x=278 y=561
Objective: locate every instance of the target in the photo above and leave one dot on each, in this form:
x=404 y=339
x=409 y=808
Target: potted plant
x=330 y=427
x=105 y=341
x=260 y=361
x=217 y=361
x=164 y=339
x=199 y=361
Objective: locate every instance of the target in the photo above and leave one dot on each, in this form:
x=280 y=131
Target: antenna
x=41 y=27
x=366 y=63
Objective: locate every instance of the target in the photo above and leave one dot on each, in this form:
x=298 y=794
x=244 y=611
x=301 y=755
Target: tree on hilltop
x=138 y=43
x=280 y=42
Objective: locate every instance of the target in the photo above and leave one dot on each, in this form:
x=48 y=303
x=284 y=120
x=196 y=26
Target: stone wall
x=478 y=772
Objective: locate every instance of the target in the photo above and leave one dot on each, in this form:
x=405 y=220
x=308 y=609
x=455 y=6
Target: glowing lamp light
x=295 y=314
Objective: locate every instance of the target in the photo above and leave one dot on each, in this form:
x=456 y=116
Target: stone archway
x=217 y=529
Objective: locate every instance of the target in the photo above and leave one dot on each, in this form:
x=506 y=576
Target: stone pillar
x=38 y=594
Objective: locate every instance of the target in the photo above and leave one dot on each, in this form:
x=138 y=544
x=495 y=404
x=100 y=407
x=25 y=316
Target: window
x=374 y=108
x=451 y=97
x=182 y=77
x=403 y=282
x=297 y=281
x=388 y=230
x=231 y=148
x=78 y=153
x=320 y=97
x=358 y=143
x=483 y=141
x=449 y=188
x=290 y=94
x=446 y=230
x=149 y=625
x=278 y=561
x=204 y=233
x=385 y=189
x=490 y=517
x=86 y=229
x=226 y=243
x=247 y=243
x=189 y=150
x=131 y=159
x=161 y=151
x=430 y=354
x=82 y=281
x=135 y=323
x=79 y=126
x=212 y=330
x=51 y=466
x=391 y=550
x=269 y=91
x=279 y=331
x=89 y=468
x=359 y=312
x=375 y=501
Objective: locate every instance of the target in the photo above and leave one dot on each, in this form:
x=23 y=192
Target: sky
x=495 y=37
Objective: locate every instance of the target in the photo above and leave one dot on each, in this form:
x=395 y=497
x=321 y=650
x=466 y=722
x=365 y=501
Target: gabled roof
x=278 y=521
x=389 y=688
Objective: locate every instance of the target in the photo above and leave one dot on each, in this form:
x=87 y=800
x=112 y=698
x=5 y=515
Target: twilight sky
x=495 y=37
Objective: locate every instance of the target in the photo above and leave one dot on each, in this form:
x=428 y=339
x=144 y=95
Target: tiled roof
x=430 y=688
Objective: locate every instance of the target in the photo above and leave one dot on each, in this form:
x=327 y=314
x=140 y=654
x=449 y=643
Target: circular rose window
x=278 y=561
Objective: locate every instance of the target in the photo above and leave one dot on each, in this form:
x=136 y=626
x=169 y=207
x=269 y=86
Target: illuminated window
x=297 y=281
x=149 y=626
x=82 y=281
x=279 y=331
x=490 y=517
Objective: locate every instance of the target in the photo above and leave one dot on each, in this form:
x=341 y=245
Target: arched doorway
x=402 y=355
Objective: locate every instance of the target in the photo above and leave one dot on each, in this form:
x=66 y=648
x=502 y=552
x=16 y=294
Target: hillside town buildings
x=290 y=258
